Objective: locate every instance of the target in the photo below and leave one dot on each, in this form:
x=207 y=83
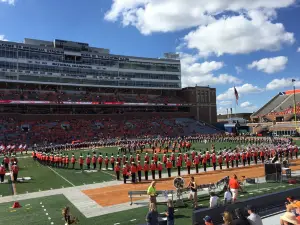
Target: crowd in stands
x=289 y=110
x=83 y=96
x=66 y=131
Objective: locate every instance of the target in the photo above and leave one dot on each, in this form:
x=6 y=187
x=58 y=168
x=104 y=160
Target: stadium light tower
x=295 y=112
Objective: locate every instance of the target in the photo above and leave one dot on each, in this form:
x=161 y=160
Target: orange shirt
x=233 y=183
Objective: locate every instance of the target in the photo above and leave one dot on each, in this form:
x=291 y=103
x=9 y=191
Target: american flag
x=236 y=95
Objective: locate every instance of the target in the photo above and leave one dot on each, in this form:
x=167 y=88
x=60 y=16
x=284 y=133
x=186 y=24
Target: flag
x=293 y=80
x=236 y=96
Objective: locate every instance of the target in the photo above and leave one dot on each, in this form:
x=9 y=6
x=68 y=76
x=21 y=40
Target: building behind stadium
x=72 y=67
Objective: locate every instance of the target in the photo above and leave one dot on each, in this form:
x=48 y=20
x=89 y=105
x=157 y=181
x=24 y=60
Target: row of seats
x=289 y=110
x=58 y=96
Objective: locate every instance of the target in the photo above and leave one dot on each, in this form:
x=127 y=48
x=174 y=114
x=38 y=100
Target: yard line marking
x=61 y=176
x=116 y=223
x=132 y=220
x=108 y=173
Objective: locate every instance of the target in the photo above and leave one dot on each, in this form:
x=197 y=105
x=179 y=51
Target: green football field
x=47 y=210
x=46 y=178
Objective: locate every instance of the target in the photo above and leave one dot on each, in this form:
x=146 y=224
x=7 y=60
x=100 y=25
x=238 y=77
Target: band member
x=196 y=162
x=146 y=169
x=67 y=160
x=173 y=159
x=232 y=158
x=220 y=160
x=133 y=170
x=193 y=192
x=165 y=159
x=248 y=157
x=188 y=165
x=262 y=156
x=81 y=161
x=117 y=170
x=255 y=154
x=106 y=162
x=159 y=168
x=244 y=157
x=139 y=169
x=100 y=160
x=124 y=172
x=204 y=160
x=2 y=173
x=153 y=168
x=214 y=161
x=227 y=159
x=15 y=171
x=178 y=164
x=94 y=161
x=67 y=217
x=73 y=160
x=88 y=161
x=169 y=167
x=112 y=161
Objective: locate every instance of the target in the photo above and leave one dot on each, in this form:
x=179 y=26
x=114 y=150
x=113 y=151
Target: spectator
x=227 y=196
x=227 y=218
x=288 y=218
x=208 y=220
x=253 y=218
x=170 y=213
x=152 y=193
x=213 y=201
x=152 y=215
x=291 y=204
x=241 y=219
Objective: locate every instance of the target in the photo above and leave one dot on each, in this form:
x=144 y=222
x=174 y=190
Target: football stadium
x=89 y=137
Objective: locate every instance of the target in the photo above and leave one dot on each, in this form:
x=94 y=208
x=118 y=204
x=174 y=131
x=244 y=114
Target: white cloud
x=270 y=65
x=249 y=107
x=282 y=83
x=298 y=50
x=225 y=103
x=196 y=73
x=242 y=90
x=221 y=110
x=239 y=34
x=238 y=69
x=2 y=38
x=11 y=2
x=155 y=15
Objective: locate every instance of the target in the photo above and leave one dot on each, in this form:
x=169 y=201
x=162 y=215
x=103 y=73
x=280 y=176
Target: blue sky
x=252 y=45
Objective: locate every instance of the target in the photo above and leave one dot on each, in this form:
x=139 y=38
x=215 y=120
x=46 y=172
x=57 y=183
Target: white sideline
x=61 y=176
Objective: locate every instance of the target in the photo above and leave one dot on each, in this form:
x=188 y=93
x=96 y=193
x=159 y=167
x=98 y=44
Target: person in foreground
x=152 y=193
x=208 y=220
x=288 y=218
x=67 y=217
x=227 y=218
x=152 y=215
x=241 y=219
x=253 y=218
x=170 y=213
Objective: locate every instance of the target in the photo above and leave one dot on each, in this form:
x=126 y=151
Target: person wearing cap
x=208 y=220
x=288 y=218
x=214 y=160
x=2 y=173
x=88 y=161
x=124 y=172
x=159 y=168
x=94 y=161
x=178 y=164
x=169 y=167
x=15 y=171
x=112 y=162
x=73 y=160
x=153 y=168
x=133 y=170
x=106 y=160
x=81 y=160
x=117 y=170
x=146 y=169
x=139 y=169
x=253 y=218
x=100 y=160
